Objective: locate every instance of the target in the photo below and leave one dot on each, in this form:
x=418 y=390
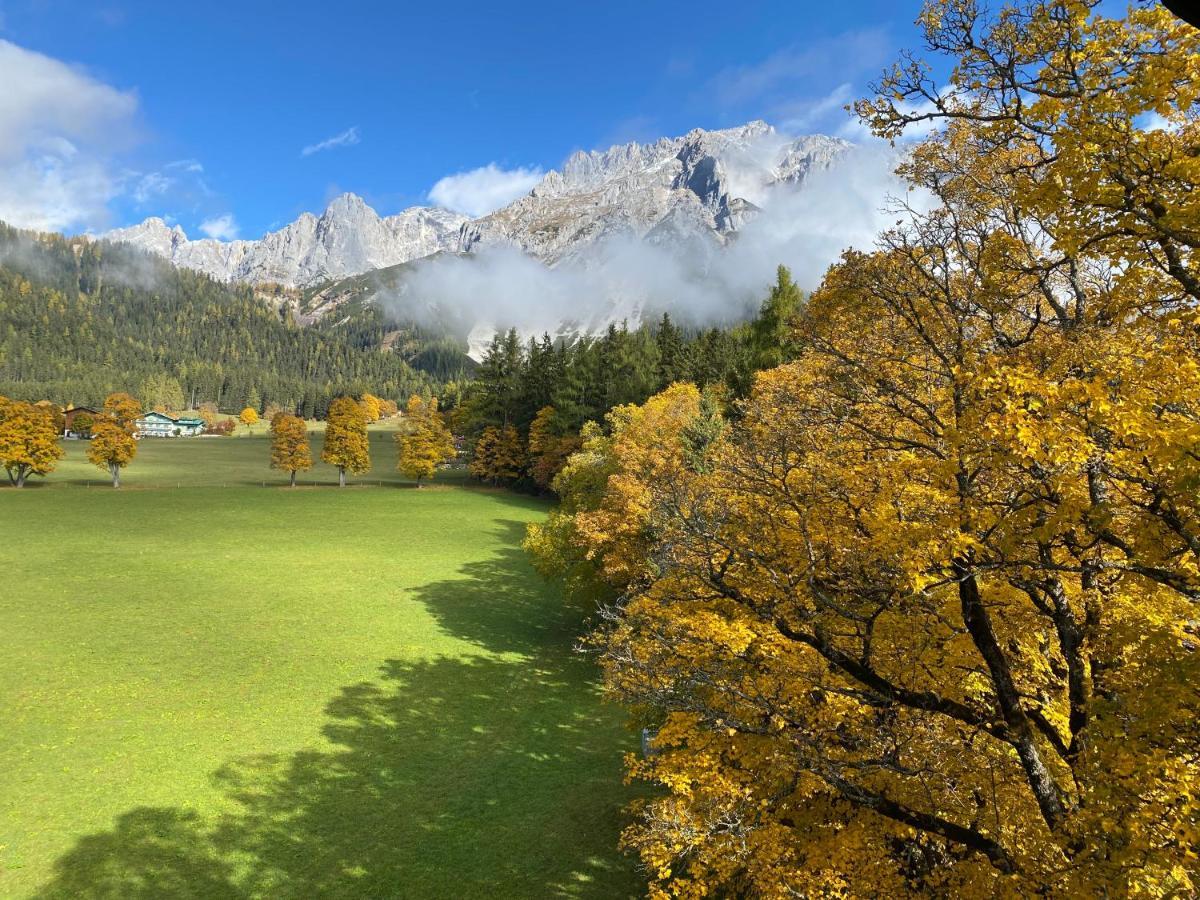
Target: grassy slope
x=244 y=692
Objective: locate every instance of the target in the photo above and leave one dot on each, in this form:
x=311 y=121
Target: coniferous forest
x=81 y=319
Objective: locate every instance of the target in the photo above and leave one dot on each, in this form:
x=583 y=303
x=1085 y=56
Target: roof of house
x=154 y=414
x=190 y=421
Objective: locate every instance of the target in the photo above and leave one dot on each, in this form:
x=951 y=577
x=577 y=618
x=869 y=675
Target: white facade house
x=156 y=424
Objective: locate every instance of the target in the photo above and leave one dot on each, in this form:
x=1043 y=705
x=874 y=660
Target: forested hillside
x=81 y=319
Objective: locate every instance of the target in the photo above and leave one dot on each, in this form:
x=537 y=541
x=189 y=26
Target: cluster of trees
x=30 y=432
x=30 y=436
x=528 y=402
x=918 y=614
x=81 y=319
x=423 y=444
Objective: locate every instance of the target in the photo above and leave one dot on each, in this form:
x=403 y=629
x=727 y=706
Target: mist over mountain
x=694 y=225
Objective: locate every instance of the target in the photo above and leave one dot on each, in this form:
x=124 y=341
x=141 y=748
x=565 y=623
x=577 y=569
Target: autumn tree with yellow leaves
x=112 y=446
x=425 y=443
x=346 y=445
x=289 y=445
x=28 y=440
x=498 y=455
x=124 y=409
x=248 y=417
x=922 y=618
x=371 y=407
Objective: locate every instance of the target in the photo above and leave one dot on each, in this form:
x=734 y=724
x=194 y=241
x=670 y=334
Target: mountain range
x=698 y=189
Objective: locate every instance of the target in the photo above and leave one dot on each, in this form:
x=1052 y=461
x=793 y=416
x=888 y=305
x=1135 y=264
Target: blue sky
x=203 y=112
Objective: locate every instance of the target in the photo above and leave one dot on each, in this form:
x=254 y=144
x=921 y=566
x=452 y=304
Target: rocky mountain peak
x=709 y=180
x=348 y=238
x=702 y=185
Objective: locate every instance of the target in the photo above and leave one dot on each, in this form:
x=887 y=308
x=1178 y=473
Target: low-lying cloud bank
x=697 y=281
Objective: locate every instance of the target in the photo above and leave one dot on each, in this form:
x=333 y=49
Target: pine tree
x=769 y=336
x=671 y=365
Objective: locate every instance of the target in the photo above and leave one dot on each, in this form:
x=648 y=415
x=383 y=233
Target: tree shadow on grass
x=502 y=605
x=452 y=777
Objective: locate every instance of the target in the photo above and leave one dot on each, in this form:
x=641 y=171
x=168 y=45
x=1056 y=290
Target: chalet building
x=156 y=424
x=69 y=419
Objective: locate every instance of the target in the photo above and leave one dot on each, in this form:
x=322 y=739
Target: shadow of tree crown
x=449 y=778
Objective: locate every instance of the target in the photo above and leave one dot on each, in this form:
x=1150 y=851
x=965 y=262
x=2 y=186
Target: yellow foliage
x=922 y=619
x=112 y=447
x=427 y=442
x=289 y=445
x=346 y=445
x=28 y=440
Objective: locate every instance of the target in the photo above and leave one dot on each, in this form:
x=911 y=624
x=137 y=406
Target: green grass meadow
x=235 y=692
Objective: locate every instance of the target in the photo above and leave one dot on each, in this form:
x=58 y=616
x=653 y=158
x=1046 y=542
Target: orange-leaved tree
x=426 y=443
x=28 y=440
x=498 y=455
x=549 y=446
x=124 y=409
x=346 y=445
x=289 y=445
x=112 y=447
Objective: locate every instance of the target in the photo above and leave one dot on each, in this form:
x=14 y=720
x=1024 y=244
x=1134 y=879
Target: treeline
x=82 y=319
x=529 y=401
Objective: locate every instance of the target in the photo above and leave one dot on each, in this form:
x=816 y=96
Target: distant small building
x=69 y=429
x=156 y=424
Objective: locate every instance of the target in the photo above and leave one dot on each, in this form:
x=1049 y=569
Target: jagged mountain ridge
x=705 y=183
x=347 y=239
x=699 y=187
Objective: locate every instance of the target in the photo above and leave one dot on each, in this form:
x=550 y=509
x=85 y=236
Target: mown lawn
x=247 y=692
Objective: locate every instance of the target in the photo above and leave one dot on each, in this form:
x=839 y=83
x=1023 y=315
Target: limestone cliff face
x=347 y=239
x=704 y=183
x=695 y=191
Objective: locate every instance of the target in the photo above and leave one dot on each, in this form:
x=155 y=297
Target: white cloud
x=347 y=138
x=151 y=186
x=484 y=190
x=223 y=228
x=186 y=165
x=801 y=116
x=805 y=227
x=59 y=131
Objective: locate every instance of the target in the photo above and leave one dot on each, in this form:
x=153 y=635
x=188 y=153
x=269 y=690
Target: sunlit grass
x=248 y=692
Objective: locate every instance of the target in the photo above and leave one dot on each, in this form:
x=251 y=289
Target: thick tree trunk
x=116 y=474
x=341 y=476
x=293 y=477
x=20 y=476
